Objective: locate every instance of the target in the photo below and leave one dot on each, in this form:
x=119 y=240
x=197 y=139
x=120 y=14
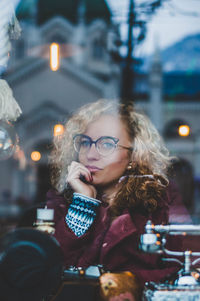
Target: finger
x=77 y=169
x=84 y=174
x=78 y=172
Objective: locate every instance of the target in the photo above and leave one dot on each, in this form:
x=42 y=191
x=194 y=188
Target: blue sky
x=173 y=21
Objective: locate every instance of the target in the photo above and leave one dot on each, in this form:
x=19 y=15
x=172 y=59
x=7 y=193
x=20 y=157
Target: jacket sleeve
x=72 y=245
x=79 y=214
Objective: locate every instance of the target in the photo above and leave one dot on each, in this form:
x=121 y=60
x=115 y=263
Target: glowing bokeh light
x=35 y=156
x=58 y=130
x=54 y=56
x=8 y=140
x=184 y=130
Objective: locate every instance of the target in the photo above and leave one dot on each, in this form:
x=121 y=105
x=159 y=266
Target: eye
x=107 y=145
x=84 y=143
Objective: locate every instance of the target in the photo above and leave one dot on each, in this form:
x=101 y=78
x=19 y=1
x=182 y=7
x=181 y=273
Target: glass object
x=45 y=220
x=8 y=140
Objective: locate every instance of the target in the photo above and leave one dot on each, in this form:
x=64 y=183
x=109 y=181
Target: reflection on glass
x=8 y=140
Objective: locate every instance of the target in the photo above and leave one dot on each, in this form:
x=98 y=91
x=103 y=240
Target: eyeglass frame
x=115 y=140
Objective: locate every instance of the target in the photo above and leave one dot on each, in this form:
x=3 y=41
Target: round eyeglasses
x=105 y=145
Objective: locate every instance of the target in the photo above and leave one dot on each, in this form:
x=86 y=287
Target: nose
x=92 y=153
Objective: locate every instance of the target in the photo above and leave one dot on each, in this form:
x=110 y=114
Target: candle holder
x=44 y=221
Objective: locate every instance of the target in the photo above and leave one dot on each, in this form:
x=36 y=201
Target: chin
x=96 y=181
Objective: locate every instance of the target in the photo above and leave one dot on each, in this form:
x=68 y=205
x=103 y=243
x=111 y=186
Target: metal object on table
x=165 y=292
x=93 y=272
x=79 y=284
x=185 y=284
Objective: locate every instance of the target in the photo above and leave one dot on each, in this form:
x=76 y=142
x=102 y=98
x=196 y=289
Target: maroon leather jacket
x=115 y=245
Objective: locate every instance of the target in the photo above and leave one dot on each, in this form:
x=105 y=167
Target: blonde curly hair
x=149 y=155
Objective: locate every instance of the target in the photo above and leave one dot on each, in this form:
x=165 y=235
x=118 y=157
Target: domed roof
x=46 y=9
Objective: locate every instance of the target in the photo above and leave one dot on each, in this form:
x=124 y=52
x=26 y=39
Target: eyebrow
x=86 y=136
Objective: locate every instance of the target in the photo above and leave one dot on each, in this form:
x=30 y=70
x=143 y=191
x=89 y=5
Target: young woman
x=109 y=174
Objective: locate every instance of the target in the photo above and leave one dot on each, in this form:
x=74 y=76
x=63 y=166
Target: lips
x=93 y=168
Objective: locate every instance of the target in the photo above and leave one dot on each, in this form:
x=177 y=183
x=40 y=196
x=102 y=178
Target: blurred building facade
x=172 y=100
x=87 y=72
x=86 y=37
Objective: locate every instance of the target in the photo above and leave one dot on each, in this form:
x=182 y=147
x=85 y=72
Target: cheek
x=117 y=164
x=120 y=158
x=81 y=158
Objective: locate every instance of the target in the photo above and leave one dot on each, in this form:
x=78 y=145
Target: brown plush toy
x=122 y=286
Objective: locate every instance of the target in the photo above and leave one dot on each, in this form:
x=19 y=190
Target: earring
x=129 y=166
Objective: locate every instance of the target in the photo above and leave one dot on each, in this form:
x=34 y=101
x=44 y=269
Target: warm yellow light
x=184 y=130
x=54 y=56
x=58 y=130
x=35 y=156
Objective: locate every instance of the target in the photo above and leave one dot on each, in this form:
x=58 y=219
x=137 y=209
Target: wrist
x=85 y=197
x=81 y=213
x=87 y=190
